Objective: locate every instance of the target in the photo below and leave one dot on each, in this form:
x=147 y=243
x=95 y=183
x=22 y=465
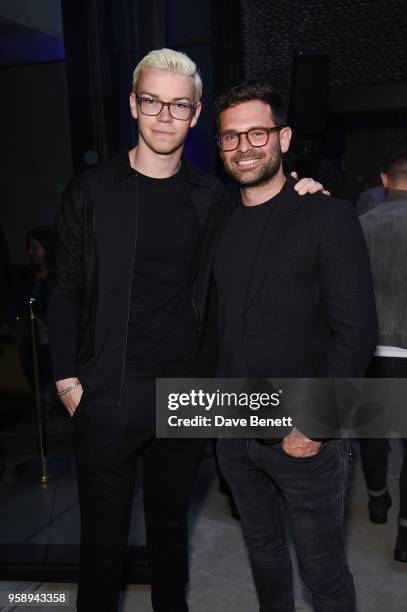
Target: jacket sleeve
x=66 y=293
x=347 y=294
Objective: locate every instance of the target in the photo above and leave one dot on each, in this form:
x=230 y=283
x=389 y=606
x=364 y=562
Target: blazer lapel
x=278 y=222
x=213 y=231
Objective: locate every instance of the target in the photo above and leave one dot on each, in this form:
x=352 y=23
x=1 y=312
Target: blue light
x=22 y=45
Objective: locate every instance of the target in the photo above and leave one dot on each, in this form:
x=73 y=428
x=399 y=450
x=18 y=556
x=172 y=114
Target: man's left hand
x=308 y=185
x=298 y=445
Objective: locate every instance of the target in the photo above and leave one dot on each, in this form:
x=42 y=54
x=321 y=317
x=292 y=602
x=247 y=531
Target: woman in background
x=33 y=283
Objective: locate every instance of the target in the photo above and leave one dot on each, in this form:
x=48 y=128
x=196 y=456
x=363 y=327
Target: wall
x=42 y=15
x=188 y=28
x=36 y=153
x=365 y=39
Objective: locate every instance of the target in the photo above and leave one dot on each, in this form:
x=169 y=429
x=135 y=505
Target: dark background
x=66 y=69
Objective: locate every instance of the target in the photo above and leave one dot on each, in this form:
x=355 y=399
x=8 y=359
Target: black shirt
x=161 y=323
x=234 y=259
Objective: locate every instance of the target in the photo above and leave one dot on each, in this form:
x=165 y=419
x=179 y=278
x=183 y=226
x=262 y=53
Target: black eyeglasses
x=178 y=110
x=257 y=137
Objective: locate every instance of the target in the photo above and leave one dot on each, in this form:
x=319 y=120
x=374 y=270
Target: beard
x=263 y=174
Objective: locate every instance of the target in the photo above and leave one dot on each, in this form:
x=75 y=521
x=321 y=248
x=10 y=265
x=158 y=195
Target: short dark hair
x=253 y=90
x=395 y=164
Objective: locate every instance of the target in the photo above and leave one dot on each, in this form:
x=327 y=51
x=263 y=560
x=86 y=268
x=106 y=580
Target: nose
x=244 y=145
x=164 y=114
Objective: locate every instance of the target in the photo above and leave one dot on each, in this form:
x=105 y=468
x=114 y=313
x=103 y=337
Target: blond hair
x=168 y=59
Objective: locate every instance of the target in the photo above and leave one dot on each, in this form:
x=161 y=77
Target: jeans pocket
x=322 y=449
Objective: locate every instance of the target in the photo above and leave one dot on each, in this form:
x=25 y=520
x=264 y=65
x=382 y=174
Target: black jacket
x=96 y=242
x=310 y=308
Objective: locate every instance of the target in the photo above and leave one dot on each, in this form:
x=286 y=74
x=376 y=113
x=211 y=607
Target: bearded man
x=285 y=282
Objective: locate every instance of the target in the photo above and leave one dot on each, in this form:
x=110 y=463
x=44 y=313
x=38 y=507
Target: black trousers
x=374 y=451
x=109 y=441
x=264 y=479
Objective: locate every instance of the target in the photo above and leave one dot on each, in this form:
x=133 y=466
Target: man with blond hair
x=120 y=316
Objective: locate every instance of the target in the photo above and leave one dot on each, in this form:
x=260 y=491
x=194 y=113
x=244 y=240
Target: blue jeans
x=264 y=479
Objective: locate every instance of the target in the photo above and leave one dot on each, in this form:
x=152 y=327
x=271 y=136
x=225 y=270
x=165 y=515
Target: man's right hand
x=298 y=445
x=71 y=399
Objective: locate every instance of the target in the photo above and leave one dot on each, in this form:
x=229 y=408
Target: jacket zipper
x=198 y=318
x=131 y=289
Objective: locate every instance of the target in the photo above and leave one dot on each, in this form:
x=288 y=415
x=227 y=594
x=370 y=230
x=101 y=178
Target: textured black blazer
x=310 y=308
x=96 y=230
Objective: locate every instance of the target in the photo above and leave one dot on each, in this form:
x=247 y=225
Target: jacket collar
x=396 y=195
x=123 y=170
x=194 y=174
x=287 y=199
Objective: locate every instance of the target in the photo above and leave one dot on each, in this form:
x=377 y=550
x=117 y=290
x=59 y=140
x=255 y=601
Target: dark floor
x=220 y=574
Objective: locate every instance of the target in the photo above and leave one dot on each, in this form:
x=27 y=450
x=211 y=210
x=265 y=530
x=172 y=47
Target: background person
x=34 y=281
x=385 y=229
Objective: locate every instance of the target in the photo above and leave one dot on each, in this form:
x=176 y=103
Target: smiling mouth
x=246 y=163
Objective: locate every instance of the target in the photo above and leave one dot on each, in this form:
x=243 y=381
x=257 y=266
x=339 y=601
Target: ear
x=195 y=116
x=133 y=106
x=285 y=138
x=385 y=180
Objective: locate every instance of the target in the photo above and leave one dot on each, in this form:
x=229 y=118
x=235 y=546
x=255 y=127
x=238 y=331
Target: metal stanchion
x=44 y=468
